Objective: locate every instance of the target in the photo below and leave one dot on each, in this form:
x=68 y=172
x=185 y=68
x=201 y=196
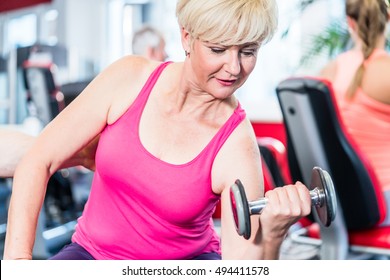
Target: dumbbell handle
x=256 y=206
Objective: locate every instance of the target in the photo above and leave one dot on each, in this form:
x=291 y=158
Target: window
x=49 y=27
x=21 y=31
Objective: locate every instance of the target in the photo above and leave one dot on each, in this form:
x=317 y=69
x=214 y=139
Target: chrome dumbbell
x=323 y=198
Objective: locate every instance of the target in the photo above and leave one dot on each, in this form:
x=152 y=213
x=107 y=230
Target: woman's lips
x=226 y=82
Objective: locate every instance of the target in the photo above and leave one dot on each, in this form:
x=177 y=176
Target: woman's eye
x=217 y=50
x=248 y=52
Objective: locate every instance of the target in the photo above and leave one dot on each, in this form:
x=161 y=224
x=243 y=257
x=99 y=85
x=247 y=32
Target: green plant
x=333 y=40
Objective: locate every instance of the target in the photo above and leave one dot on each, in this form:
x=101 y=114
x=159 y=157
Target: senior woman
x=173 y=140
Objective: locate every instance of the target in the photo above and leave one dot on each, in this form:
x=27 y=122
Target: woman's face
x=220 y=70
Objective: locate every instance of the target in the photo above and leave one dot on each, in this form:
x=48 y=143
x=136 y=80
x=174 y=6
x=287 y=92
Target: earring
x=186 y=53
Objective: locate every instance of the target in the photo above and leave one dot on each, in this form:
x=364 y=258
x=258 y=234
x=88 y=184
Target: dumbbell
x=322 y=193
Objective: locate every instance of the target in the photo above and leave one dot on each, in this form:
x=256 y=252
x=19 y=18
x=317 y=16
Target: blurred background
x=87 y=35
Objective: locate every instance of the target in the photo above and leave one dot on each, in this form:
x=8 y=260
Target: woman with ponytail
x=360 y=79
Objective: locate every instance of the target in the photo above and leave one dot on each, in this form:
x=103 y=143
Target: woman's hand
x=286 y=205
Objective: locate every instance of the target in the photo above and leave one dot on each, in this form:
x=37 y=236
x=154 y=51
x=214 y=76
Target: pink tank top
x=143 y=208
x=366 y=119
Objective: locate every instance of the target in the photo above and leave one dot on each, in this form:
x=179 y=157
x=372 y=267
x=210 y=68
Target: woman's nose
x=233 y=65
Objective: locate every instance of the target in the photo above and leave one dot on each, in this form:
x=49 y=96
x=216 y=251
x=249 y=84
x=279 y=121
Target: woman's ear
x=351 y=24
x=149 y=52
x=185 y=40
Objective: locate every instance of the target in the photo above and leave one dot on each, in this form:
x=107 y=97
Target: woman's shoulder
x=379 y=66
x=134 y=66
x=341 y=65
x=382 y=59
x=241 y=147
x=131 y=72
x=243 y=136
x=126 y=77
x=376 y=83
x=329 y=71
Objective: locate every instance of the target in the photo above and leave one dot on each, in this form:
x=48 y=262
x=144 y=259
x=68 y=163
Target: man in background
x=150 y=43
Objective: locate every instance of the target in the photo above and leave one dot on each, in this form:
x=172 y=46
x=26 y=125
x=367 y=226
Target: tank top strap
x=223 y=134
x=143 y=95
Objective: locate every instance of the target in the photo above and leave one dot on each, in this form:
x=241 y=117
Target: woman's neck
x=380 y=44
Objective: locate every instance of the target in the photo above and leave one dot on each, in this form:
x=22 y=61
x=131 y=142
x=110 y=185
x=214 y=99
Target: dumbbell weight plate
x=240 y=209
x=321 y=180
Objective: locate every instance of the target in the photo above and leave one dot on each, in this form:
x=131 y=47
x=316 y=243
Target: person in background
x=173 y=139
x=149 y=42
x=362 y=88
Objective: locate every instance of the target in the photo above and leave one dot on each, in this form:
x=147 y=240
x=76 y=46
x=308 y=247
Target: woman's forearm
x=13 y=146
x=271 y=250
x=28 y=193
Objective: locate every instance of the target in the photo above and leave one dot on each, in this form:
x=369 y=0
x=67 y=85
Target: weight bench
x=317 y=137
x=43 y=93
x=274 y=155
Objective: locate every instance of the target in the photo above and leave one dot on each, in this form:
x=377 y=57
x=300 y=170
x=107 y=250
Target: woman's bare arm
x=240 y=159
x=15 y=144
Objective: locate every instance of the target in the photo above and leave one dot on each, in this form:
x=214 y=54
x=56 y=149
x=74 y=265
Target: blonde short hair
x=228 y=22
